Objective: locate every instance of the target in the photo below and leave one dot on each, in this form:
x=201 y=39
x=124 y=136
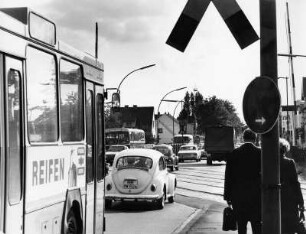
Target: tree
x=185 y=112
x=209 y=112
x=110 y=119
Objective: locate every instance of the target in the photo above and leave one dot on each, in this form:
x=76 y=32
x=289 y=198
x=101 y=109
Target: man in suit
x=242 y=187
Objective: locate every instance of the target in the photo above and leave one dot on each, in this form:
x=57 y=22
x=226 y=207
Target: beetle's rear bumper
x=126 y=197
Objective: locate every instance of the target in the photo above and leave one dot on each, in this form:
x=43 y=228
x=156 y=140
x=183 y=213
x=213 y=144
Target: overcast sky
x=132 y=34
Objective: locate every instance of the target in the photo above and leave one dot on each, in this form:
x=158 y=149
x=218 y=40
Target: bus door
x=94 y=159
x=13 y=146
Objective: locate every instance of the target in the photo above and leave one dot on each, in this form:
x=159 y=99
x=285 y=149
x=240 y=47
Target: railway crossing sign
x=261 y=104
x=192 y=14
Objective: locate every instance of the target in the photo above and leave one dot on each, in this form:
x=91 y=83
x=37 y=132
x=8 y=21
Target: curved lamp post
x=138 y=69
x=178 y=102
x=159 y=106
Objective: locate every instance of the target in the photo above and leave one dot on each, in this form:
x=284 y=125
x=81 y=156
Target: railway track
x=207 y=182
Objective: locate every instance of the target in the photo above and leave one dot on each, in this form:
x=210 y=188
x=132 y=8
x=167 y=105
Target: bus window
x=14 y=157
x=41 y=96
x=71 y=101
x=89 y=137
x=185 y=139
x=100 y=158
x=123 y=138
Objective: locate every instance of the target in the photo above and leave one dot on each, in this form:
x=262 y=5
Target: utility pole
x=287 y=118
x=292 y=77
x=270 y=141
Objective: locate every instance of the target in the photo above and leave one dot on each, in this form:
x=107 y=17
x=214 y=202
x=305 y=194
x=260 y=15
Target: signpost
x=261 y=104
x=265 y=123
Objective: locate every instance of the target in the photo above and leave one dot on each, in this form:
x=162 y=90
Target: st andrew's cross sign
x=192 y=14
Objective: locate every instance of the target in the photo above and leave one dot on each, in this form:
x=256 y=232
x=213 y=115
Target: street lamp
x=178 y=89
x=142 y=68
x=285 y=77
x=178 y=102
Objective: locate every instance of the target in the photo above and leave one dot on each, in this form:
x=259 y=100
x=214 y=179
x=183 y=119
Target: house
x=168 y=126
x=137 y=117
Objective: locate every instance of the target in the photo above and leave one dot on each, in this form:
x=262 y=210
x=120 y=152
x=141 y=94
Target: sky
x=132 y=34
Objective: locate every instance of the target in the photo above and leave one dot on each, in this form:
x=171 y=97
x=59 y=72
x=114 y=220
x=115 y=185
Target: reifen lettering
x=47 y=171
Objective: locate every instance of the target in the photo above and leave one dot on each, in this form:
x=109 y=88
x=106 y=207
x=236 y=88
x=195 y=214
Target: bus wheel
x=72 y=223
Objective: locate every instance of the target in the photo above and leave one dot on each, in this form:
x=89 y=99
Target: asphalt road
x=142 y=217
x=199 y=187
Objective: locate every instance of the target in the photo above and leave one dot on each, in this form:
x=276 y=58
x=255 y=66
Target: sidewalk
x=208 y=218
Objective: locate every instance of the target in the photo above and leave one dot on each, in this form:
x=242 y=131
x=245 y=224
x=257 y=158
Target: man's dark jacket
x=243 y=179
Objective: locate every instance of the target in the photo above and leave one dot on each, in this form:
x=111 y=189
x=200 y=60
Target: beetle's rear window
x=138 y=162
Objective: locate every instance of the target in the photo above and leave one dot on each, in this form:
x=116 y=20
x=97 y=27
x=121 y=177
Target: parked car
x=189 y=152
x=140 y=175
x=112 y=151
x=171 y=159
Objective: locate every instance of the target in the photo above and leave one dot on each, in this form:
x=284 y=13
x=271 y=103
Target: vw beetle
x=140 y=175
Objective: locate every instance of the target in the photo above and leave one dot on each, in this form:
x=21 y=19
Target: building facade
x=168 y=126
x=141 y=117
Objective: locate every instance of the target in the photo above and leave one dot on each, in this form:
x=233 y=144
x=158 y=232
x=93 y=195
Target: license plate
x=130 y=184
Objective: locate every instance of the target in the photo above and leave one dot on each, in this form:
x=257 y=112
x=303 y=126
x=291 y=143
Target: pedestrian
x=291 y=194
x=242 y=187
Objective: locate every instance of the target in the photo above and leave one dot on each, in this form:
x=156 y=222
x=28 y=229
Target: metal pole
x=145 y=67
x=292 y=77
x=96 y=44
x=271 y=215
x=159 y=106
x=173 y=116
x=287 y=109
x=287 y=121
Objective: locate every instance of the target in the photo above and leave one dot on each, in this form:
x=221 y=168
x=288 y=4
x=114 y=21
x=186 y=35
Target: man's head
x=249 y=136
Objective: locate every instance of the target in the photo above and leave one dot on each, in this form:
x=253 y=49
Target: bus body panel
x=6 y=42
x=52 y=174
x=46 y=220
x=60 y=168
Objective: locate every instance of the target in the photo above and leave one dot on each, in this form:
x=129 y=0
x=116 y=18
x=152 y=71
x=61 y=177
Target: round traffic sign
x=261 y=104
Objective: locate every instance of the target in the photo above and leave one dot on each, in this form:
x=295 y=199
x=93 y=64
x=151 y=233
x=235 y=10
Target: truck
x=219 y=142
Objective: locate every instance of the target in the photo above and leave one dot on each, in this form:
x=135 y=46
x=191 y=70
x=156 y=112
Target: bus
x=131 y=137
x=183 y=139
x=52 y=154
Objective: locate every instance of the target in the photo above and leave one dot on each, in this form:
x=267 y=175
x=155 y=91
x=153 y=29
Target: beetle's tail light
x=153 y=187
x=109 y=187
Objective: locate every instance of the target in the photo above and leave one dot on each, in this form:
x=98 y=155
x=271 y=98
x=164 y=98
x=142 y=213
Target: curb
x=191 y=219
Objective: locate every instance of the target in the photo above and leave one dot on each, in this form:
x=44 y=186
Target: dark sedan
x=171 y=158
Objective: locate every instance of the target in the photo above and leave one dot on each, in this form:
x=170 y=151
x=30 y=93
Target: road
x=199 y=180
x=197 y=183
x=195 y=180
x=207 y=182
